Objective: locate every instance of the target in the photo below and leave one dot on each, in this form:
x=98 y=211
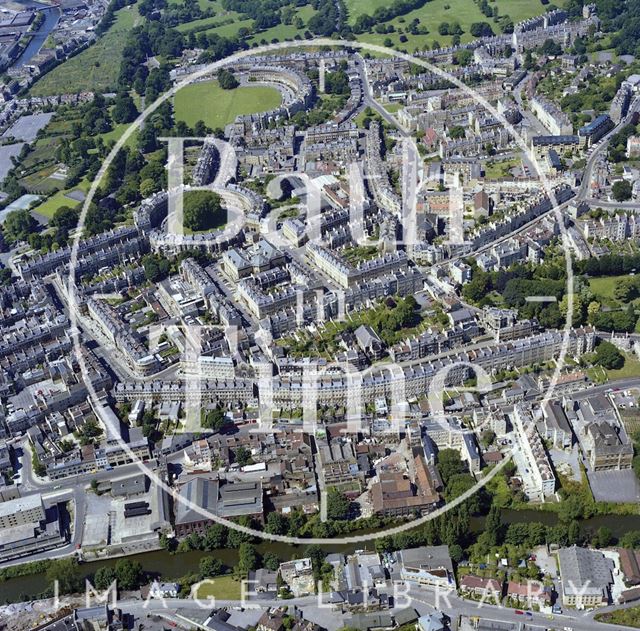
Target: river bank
x=51 y=17
x=173 y=566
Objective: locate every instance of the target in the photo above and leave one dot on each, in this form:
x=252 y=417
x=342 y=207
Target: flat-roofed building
x=427 y=565
x=22 y=510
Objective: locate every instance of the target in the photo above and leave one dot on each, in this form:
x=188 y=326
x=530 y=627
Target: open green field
x=49 y=206
x=630 y=369
x=97 y=67
x=228 y=23
x=465 y=12
x=204 y=4
x=221 y=15
x=621 y=617
x=498 y=169
x=222 y=588
x=433 y=13
x=285 y=31
x=208 y=102
x=603 y=288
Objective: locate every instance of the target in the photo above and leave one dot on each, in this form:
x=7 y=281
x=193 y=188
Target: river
x=51 y=17
x=173 y=566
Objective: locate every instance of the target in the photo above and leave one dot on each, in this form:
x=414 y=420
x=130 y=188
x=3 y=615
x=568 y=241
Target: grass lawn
x=230 y=30
x=466 y=12
x=96 y=68
x=198 y=24
x=623 y=617
x=204 y=4
x=222 y=588
x=228 y=23
x=117 y=131
x=285 y=31
x=49 y=206
x=496 y=170
x=603 y=288
x=433 y=13
x=208 y=102
x=630 y=369
x=392 y=108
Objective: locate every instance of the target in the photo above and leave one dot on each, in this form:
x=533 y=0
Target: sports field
x=208 y=102
x=94 y=69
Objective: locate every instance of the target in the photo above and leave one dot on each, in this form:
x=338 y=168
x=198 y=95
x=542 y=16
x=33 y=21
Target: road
x=368 y=99
x=528 y=116
x=190 y=613
x=603 y=144
x=592 y=201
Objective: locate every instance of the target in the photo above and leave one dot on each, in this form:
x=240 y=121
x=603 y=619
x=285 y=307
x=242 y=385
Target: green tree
x=156 y=267
x=18 y=225
x=202 y=210
x=209 y=566
x=214 y=419
x=608 y=356
x=235 y=538
x=337 y=505
x=572 y=508
x=247 y=558
x=537 y=533
x=243 y=456
x=148 y=187
x=477 y=288
x=631 y=539
x=449 y=464
x=493 y=526
x=65 y=572
x=456 y=132
x=481 y=29
x=626 y=289
x=621 y=190
x=463 y=57
x=215 y=537
x=129 y=574
x=65 y=218
x=456 y=552
x=604 y=537
x=574 y=533
x=38 y=468
x=277 y=524
x=124 y=109
x=271 y=561
x=227 y=79
x=103 y=577
x=5 y=276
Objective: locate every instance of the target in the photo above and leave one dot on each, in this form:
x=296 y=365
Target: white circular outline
x=323 y=42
